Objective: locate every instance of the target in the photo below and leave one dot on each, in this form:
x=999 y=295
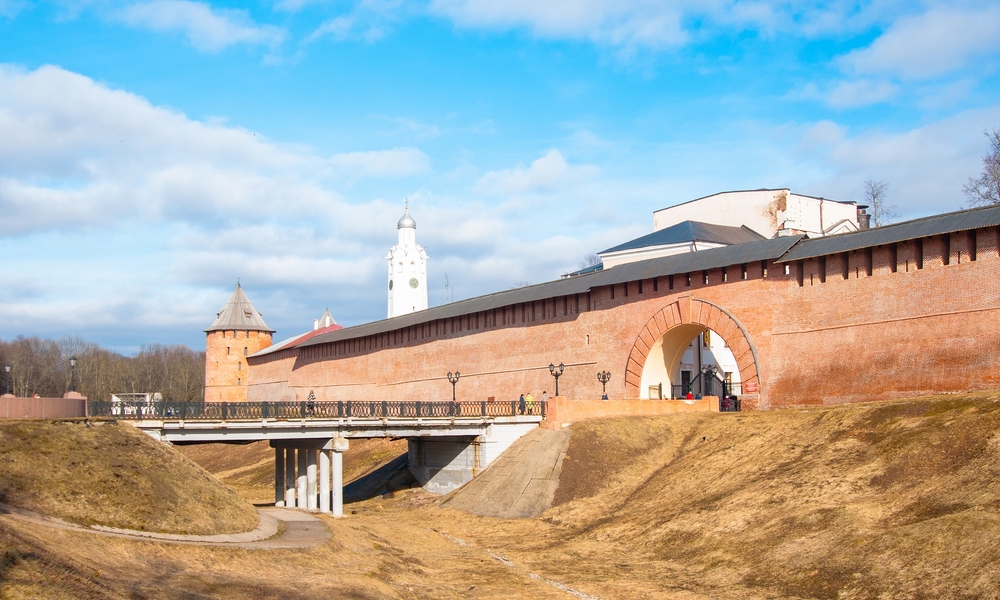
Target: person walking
x=529 y=401
x=520 y=404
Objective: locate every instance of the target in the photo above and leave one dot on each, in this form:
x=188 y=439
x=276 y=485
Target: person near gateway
x=520 y=404
x=529 y=401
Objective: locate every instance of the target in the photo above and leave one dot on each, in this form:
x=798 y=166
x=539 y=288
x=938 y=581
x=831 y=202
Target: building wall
x=226 y=369
x=768 y=212
x=879 y=323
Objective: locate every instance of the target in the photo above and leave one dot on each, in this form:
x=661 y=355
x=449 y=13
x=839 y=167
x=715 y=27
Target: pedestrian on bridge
x=529 y=401
x=520 y=404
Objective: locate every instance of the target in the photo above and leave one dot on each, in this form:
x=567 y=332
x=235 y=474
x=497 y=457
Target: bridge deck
x=251 y=421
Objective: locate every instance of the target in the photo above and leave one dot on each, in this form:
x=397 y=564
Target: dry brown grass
x=112 y=474
x=888 y=500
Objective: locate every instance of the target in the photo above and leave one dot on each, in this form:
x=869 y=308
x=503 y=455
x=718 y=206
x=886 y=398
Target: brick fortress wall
x=892 y=321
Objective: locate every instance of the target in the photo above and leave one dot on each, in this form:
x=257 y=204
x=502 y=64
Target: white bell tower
x=407 y=270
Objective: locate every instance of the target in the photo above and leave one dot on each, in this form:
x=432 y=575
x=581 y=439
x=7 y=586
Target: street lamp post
x=7 y=368
x=453 y=378
x=72 y=373
x=604 y=377
x=556 y=372
x=708 y=379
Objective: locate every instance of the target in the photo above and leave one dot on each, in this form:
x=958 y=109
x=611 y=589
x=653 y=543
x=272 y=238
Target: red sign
x=750 y=387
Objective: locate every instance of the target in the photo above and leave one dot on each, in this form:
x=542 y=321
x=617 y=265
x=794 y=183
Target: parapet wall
x=12 y=407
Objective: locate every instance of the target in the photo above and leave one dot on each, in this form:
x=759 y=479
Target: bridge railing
x=378 y=409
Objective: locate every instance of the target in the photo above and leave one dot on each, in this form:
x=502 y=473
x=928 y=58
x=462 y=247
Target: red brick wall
x=891 y=328
x=226 y=372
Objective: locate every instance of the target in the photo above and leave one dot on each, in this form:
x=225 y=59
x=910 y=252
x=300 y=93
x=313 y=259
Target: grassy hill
x=894 y=500
x=885 y=500
x=112 y=474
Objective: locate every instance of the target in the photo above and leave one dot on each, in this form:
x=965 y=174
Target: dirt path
x=297 y=530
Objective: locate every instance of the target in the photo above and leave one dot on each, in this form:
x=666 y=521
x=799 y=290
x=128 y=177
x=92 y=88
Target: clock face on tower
x=390 y=284
x=414 y=283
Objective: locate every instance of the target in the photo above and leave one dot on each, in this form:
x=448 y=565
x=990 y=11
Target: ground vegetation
x=883 y=500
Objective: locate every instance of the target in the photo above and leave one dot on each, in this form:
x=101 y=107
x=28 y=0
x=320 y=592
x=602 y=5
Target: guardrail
x=385 y=409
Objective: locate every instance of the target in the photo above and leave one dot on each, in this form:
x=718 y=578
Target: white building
x=722 y=219
x=770 y=213
x=407 y=270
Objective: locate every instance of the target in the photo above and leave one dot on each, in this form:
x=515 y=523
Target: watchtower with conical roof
x=239 y=330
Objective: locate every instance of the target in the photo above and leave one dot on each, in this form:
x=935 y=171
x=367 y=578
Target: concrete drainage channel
x=509 y=563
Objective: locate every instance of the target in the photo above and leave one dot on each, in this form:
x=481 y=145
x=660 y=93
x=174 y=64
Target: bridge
x=448 y=443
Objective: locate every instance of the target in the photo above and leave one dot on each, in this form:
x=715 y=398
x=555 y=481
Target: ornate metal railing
x=385 y=409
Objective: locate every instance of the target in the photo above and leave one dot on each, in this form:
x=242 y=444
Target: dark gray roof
x=239 y=314
x=938 y=224
x=691 y=231
x=687 y=262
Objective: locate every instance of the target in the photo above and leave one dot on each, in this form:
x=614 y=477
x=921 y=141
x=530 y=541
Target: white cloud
x=849 y=94
x=208 y=29
x=924 y=166
x=619 y=23
x=662 y=24
x=545 y=174
x=74 y=152
x=398 y=162
x=935 y=43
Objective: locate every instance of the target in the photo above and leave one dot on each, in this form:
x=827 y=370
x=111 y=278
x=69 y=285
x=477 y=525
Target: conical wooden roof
x=239 y=314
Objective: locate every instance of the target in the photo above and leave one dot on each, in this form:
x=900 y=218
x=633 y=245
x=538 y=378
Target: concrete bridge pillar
x=279 y=476
x=339 y=445
x=290 y=477
x=324 y=480
x=302 y=479
x=311 y=479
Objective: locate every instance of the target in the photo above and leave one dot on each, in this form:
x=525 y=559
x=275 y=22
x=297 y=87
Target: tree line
x=42 y=367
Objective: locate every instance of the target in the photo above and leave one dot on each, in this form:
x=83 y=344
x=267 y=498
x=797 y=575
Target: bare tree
x=42 y=367
x=590 y=260
x=875 y=197
x=985 y=190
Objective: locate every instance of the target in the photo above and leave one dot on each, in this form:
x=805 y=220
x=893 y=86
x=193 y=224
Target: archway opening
x=683 y=358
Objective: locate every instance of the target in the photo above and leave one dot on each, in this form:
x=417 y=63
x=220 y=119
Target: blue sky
x=152 y=153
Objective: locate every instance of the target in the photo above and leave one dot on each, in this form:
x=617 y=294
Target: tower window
x=227 y=350
x=244 y=351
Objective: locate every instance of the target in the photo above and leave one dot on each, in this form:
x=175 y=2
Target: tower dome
x=406 y=221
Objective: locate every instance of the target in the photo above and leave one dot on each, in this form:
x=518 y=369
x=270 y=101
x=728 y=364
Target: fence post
x=418 y=408
x=385 y=409
x=349 y=409
x=263 y=410
x=340 y=408
x=225 y=411
x=302 y=409
x=483 y=407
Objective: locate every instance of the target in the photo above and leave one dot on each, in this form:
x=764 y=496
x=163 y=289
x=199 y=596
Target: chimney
x=315 y=324
x=864 y=219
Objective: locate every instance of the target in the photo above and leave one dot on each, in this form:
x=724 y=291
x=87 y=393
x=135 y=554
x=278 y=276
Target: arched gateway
x=657 y=351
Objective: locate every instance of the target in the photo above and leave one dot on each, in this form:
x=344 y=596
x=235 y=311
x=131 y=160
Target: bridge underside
x=443 y=453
